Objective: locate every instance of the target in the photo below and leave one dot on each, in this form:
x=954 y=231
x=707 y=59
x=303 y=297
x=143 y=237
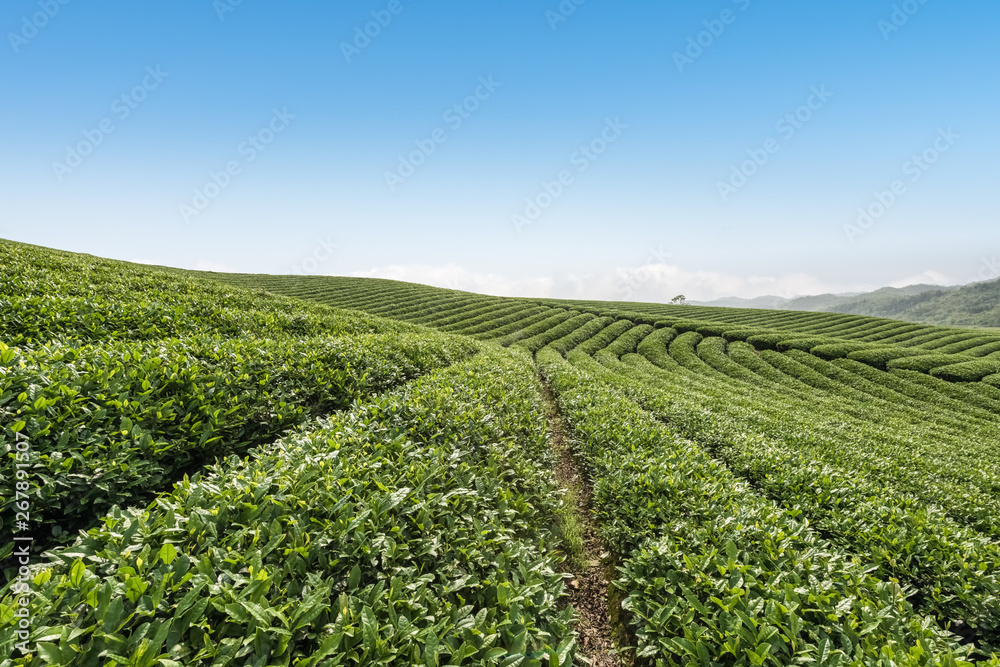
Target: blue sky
x=598 y=150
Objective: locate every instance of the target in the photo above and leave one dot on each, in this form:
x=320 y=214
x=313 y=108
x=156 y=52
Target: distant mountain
x=765 y=302
x=976 y=305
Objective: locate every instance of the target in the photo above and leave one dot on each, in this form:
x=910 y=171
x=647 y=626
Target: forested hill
x=975 y=305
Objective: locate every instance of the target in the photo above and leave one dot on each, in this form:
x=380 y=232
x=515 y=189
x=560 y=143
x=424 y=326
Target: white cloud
x=658 y=282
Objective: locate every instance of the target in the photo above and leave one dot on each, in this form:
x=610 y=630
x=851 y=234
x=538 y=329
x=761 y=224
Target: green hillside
x=226 y=469
x=975 y=305
x=831 y=302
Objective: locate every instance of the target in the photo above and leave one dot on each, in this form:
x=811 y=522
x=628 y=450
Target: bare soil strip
x=588 y=590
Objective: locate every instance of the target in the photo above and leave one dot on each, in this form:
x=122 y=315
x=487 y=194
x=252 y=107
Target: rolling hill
x=232 y=469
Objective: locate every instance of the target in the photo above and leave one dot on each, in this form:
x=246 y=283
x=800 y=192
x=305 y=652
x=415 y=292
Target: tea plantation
x=226 y=469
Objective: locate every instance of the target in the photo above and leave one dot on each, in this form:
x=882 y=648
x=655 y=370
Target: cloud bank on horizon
x=654 y=282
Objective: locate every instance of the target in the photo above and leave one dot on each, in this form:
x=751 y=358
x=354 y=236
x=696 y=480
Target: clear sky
x=586 y=148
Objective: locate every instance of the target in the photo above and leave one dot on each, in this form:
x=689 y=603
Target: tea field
x=229 y=469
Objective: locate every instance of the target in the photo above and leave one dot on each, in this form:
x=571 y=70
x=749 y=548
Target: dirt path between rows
x=588 y=590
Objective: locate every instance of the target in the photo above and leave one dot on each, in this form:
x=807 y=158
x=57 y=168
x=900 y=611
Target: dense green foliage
x=895 y=470
x=967 y=371
x=404 y=530
x=776 y=487
x=354 y=525
x=713 y=570
x=111 y=423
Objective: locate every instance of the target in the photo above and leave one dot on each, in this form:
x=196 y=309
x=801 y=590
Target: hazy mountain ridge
x=976 y=305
